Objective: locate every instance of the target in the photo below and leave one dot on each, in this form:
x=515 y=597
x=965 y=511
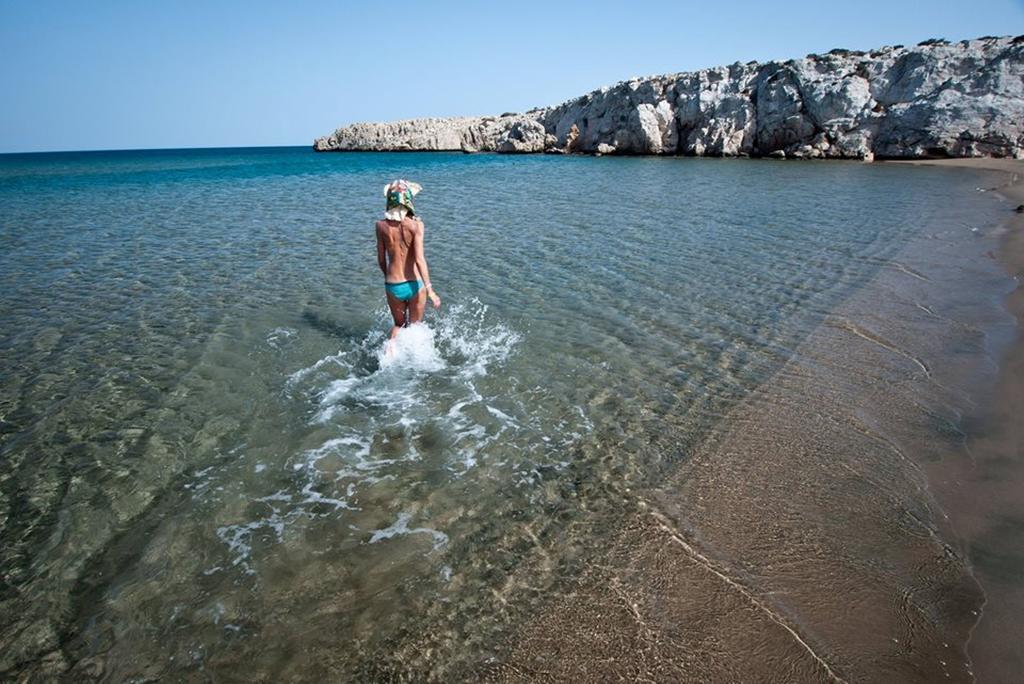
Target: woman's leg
x=399 y=313
x=416 y=306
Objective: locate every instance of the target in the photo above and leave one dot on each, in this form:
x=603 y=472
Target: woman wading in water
x=400 y=256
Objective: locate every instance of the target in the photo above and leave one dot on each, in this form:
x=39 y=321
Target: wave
x=381 y=414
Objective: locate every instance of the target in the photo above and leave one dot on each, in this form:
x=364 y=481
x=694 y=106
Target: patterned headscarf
x=399 y=194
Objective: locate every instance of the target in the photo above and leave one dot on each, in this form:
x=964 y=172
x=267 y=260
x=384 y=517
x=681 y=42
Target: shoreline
x=980 y=497
x=858 y=423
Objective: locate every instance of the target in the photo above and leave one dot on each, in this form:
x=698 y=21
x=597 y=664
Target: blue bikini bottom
x=403 y=292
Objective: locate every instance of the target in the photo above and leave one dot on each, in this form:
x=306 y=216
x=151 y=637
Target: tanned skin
x=400 y=257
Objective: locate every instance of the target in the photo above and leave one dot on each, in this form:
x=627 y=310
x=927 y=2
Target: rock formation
x=963 y=99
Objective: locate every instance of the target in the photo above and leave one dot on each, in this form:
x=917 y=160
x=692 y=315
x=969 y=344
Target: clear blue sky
x=177 y=73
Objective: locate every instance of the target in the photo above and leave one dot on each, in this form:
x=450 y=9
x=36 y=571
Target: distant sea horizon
x=157 y=149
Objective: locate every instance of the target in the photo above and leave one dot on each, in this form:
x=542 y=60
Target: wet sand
x=984 y=497
x=849 y=521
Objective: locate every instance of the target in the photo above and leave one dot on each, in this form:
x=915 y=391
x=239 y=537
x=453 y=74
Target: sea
x=210 y=469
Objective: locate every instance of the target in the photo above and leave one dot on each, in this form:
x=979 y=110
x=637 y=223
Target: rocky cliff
x=963 y=99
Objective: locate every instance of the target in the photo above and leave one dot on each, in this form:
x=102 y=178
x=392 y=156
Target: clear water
x=207 y=464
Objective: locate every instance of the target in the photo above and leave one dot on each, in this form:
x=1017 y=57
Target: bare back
x=398 y=240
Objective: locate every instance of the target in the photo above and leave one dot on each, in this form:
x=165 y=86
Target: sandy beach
x=983 y=497
x=841 y=526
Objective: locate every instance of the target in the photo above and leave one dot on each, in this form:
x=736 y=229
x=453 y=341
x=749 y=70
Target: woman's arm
x=382 y=256
x=421 y=265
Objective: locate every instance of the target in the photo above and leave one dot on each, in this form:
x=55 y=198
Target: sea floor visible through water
x=677 y=419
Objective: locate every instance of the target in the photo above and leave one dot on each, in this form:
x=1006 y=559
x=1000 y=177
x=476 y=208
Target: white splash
x=281 y=337
x=239 y=538
x=401 y=527
x=379 y=410
x=413 y=348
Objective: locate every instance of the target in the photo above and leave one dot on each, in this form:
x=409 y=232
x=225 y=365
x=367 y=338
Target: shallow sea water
x=208 y=467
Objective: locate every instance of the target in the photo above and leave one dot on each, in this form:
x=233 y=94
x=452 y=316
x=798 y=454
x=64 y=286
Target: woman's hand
x=434 y=299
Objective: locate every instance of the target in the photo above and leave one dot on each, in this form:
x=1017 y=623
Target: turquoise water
x=208 y=466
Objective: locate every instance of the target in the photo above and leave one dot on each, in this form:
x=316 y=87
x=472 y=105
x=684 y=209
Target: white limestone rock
x=933 y=99
x=714 y=111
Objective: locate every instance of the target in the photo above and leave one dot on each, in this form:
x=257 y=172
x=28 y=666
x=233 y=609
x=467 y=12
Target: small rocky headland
x=936 y=99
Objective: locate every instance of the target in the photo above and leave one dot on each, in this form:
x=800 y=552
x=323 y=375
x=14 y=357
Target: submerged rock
x=963 y=99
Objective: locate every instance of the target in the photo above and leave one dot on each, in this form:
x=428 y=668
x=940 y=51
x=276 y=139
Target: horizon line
x=153 y=149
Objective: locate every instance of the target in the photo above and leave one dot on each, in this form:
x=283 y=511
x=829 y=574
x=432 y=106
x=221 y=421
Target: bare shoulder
x=417 y=224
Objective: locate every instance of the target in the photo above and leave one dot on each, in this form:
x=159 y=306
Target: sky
x=85 y=75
